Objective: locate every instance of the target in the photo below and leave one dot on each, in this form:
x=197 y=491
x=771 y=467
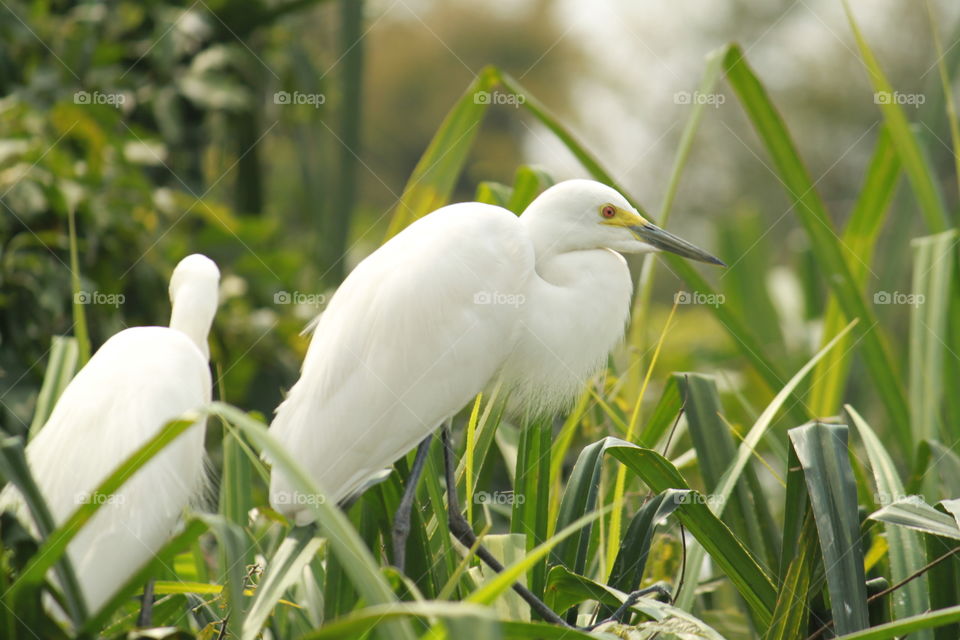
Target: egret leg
x=401 y=520
x=659 y=589
x=145 y=619
x=462 y=530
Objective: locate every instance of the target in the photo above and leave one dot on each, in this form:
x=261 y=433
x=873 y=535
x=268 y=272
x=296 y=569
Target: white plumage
x=465 y=296
x=140 y=379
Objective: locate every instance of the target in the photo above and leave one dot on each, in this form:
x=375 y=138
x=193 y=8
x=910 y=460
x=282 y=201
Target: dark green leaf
x=822 y=451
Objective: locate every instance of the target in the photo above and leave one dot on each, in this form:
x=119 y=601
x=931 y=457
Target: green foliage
x=822 y=452
x=759 y=530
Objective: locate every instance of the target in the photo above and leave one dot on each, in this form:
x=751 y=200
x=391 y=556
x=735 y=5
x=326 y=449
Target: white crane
x=466 y=296
x=140 y=379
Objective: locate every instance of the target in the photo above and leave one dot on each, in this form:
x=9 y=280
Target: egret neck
x=193 y=296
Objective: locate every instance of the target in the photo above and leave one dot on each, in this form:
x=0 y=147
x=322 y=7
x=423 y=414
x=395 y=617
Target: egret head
x=584 y=214
x=193 y=295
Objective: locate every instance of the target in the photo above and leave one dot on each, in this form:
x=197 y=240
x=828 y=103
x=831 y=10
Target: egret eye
x=608 y=211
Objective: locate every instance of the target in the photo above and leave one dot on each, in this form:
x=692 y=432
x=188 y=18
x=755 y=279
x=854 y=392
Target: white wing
x=415 y=331
x=139 y=379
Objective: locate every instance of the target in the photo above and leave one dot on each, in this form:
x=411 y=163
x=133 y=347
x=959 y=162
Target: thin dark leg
x=145 y=619
x=659 y=589
x=401 y=520
x=461 y=529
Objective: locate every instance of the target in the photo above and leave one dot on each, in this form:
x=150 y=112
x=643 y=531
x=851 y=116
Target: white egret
x=468 y=295
x=140 y=379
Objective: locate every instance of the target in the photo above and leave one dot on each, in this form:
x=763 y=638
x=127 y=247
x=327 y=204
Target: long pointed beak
x=666 y=241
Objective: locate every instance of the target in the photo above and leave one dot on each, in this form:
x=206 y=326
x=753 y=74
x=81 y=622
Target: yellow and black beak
x=647 y=232
x=666 y=241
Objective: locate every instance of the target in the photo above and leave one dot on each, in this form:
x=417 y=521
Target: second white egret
x=140 y=379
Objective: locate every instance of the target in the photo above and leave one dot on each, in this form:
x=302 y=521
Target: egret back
x=140 y=379
x=414 y=332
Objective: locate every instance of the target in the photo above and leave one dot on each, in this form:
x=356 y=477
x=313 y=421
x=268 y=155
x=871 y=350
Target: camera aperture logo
x=895 y=97
x=499 y=97
x=886 y=499
x=698 y=97
x=694 y=497
x=499 y=497
x=298 y=97
x=898 y=297
x=115 y=99
x=499 y=298
x=296 y=498
x=299 y=298
x=97 y=297
x=99 y=498
x=698 y=297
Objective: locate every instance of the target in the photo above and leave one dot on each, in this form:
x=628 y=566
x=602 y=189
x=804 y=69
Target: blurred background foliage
x=192 y=153
x=278 y=136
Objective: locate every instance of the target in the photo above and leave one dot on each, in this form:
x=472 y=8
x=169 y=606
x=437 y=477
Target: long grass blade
x=725 y=486
x=913 y=513
x=283 y=570
x=920 y=174
x=510 y=574
x=933 y=267
x=716 y=451
x=901 y=628
x=906 y=551
x=15 y=470
x=822 y=451
x=824 y=241
x=64 y=357
x=236 y=486
x=792 y=612
x=435 y=175
x=531 y=496
x=468 y=456
x=711 y=76
x=356 y=558
x=232 y=545
x=666 y=621
x=620 y=485
x=79 y=315
x=165 y=557
x=859 y=239
x=752 y=582
x=631 y=559
x=742 y=335
x=56 y=543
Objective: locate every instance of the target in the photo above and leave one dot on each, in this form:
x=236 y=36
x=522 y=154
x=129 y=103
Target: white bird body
x=140 y=379
x=400 y=347
x=581 y=297
x=114 y=406
x=465 y=297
